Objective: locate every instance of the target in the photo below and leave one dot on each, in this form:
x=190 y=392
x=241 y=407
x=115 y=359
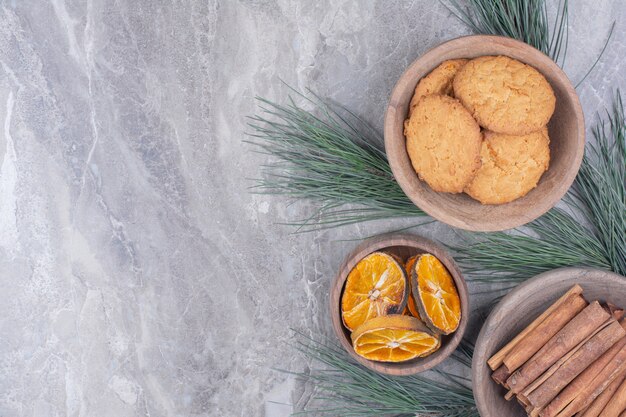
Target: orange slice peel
x=411 y=306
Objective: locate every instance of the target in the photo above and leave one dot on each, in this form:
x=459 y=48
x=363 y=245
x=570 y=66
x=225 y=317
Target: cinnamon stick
x=574 y=332
x=584 y=356
x=523 y=396
x=524 y=402
x=617 y=403
x=539 y=336
x=599 y=403
x=547 y=374
x=615 y=368
x=582 y=380
x=616 y=312
x=501 y=375
x=498 y=359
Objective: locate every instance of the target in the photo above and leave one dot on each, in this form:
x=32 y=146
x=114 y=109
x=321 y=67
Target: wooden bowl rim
x=485 y=224
x=420 y=243
x=511 y=301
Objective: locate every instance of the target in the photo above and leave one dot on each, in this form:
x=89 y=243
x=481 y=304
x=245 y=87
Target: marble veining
x=138 y=274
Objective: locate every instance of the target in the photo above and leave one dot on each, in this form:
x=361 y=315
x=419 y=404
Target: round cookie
x=511 y=166
x=443 y=142
x=438 y=81
x=505 y=95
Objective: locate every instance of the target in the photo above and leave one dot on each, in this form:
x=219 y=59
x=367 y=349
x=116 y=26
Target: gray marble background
x=138 y=274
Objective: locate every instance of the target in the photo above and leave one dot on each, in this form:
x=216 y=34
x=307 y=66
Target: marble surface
x=138 y=274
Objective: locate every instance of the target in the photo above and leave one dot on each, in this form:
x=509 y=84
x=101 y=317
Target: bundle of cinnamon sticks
x=570 y=361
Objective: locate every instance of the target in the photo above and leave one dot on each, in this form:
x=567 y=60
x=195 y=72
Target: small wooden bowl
x=404 y=246
x=566 y=129
x=517 y=310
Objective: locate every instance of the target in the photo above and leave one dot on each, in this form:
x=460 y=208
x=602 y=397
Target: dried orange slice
x=376 y=286
x=394 y=338
x=436 y=295
x=411 y=307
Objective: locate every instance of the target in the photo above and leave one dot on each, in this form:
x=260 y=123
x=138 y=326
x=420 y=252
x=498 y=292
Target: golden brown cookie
x=505 y=95
x=438 y=81
x=511 y=166
x=443 y=142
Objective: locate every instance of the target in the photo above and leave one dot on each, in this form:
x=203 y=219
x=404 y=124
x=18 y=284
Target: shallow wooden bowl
x=517 y=310
x=404 y=246
x=566 y=129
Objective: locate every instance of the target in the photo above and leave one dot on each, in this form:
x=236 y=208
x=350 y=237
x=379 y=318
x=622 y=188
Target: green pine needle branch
x=330 y=156
x=526 y=21
x=346 y=388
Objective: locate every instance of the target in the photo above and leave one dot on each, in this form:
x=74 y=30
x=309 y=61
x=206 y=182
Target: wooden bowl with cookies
x=399 y=304
x=484 y=133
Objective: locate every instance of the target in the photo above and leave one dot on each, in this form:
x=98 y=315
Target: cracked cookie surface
x=443 y=142
x=438 y=81
x=511 y=166
x=505 y=95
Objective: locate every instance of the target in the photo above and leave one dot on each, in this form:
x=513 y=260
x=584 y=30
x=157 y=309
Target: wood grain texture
x=566 y=128
x=404 y=246
x=517 y=310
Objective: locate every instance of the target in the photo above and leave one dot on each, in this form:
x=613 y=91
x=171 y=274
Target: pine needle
x=327 y=155
x=526 y=21
x=347 y=388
